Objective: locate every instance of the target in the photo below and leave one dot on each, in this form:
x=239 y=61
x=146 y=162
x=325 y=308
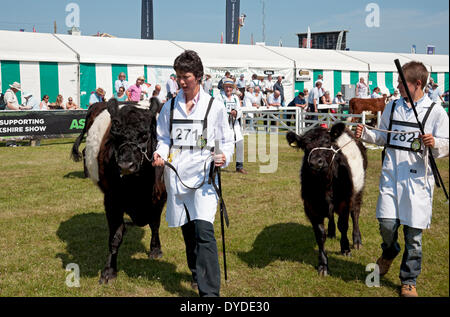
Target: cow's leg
x=331 y=231
x=116 y=232
x=343 y=228
x=355 y=210
x=155 y=243
x=320 y=234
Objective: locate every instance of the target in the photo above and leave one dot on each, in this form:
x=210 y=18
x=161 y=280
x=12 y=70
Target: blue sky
x=402 y=22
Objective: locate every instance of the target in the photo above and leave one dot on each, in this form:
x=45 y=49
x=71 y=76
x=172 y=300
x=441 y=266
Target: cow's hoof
x=323 y=271
x=346 y=253
x=156 y=253
x=357 y=246
x=108 y=275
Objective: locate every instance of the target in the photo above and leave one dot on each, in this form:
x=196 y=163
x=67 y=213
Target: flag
x=308 y=38
x=221 y=38
x=431 y=50
x=413 y=49
x=251 y=40
x=232 y=21
x=34 y=29
x=22 y=30
x=280 y=43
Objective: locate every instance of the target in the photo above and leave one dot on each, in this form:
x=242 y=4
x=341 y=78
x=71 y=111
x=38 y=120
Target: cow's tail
x=75 y=153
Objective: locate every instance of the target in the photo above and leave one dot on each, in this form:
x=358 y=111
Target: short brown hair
x=189 y=61
x=415 y=71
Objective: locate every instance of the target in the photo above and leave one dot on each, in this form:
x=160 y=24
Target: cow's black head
x=317 y=144
x=132 y=135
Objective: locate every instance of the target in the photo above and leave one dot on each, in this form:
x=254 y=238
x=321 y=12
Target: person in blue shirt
x=97 y=96
x=298 y=101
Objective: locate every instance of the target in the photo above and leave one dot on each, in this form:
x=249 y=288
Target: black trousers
x=202 y=256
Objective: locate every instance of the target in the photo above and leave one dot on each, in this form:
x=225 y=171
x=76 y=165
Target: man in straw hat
x=97 y=96
x=10 y=98
x=232 y=104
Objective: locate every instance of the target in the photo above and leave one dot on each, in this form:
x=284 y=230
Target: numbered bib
x=187 y=134
x=409 y=140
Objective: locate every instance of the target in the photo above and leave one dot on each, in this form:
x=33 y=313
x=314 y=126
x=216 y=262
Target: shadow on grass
x=75 y=174
x=296 y=242
x=86 y=236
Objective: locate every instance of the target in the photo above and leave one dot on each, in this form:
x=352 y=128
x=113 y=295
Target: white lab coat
x=233 y=103
x=404 y=195
x=201 y=203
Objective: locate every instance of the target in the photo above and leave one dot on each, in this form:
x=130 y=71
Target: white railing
x=283 y=119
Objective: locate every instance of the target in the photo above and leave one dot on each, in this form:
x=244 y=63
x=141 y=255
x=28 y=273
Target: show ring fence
x=296 y=119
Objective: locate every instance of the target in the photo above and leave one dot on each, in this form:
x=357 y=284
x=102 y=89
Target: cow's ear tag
x=293 y=144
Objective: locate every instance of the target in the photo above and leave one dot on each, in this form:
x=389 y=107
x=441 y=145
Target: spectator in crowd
x=121 y=82
x=395 y=96
x=376 y=93
x=120 y=95
x=314 y=97
x=208 y=85
x=233 y=104
x=437 y=95
x=319 y=78
x=58 y=104
x=44 y=105
x=172 y=86
x=220 y=84
x=255 y=81
x=70 y=105
x=258 y=97
x=298 y=101
x=362 y=90
x=241 y=85
x=338 y=100
x=248 y=97
x=145 y=90
x=274 y=99
x=97 y=96
x=10 y=98
x=157 y=93
x=430 y=84
x=134 y=91
x=306 y=93
x=326 y=98
x=279 y=86
x=30 y=102
x=268 y=86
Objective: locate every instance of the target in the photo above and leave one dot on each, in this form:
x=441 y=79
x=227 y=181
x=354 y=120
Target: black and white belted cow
x=120 y=143
x=332 y=181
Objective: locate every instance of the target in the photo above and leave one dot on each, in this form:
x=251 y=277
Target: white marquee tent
x=76 y=65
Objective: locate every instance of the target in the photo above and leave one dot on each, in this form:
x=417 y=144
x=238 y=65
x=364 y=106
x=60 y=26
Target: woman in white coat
x=232 y=104
x=406 y=183
x=188 y=126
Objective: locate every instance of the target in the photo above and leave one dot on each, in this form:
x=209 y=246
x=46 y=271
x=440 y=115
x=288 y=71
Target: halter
x=328 y=149
x=141 y=146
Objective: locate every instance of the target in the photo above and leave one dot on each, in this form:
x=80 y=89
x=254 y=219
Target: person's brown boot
x=408 y=291
x=241 y=170
x=384 y=265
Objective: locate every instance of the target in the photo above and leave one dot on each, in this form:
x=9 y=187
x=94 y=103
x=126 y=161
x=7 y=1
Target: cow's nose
x=126 y=167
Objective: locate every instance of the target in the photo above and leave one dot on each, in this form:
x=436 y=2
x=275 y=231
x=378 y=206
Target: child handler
x=406 y=188
x=188 y=126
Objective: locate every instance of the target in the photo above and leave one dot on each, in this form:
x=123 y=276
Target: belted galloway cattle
x=332 y=181
x=120 y=142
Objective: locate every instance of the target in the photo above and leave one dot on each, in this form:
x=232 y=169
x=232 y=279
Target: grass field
x=50 y=216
